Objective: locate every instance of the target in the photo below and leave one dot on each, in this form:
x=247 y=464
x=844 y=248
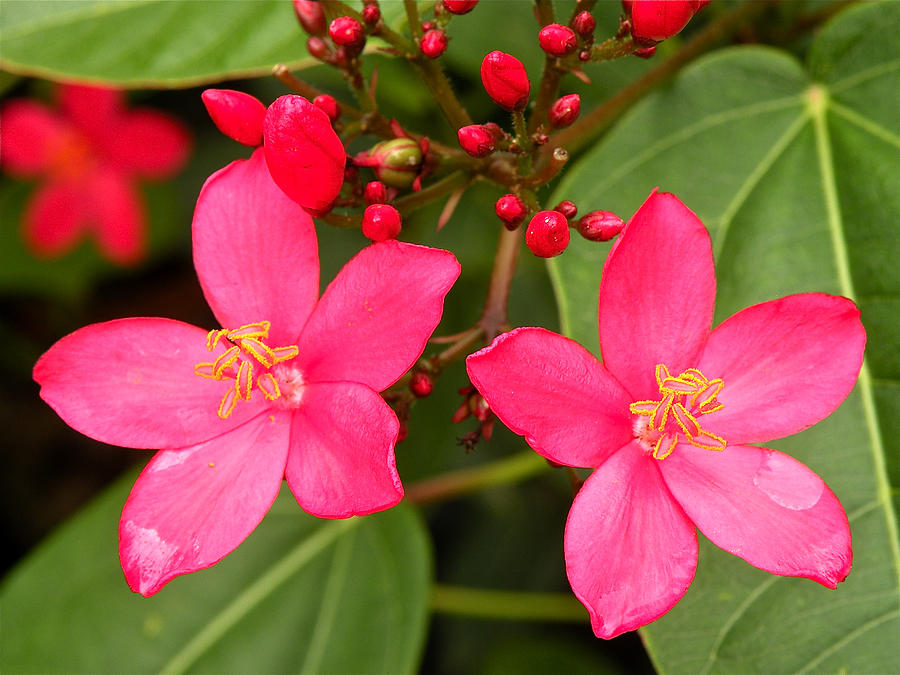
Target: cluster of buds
x=560 y=41
x=474 y=405
x=548 y=231
x=346 y=34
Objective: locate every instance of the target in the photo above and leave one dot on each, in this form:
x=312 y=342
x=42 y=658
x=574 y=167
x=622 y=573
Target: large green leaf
x=151 y=43
x=795 y=170
x=299 y=595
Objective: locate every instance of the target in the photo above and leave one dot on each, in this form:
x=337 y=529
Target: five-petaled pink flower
x=89 y=153
x=288 y=389
x=668 y=417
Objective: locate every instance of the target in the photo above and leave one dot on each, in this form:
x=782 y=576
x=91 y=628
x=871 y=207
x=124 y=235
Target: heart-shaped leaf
x=795 y=170
x=299 y=595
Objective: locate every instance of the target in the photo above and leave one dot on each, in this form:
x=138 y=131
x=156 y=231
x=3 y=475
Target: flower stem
x=446 y=185
x=465 y=481
x=495 y=318
x=482 y=603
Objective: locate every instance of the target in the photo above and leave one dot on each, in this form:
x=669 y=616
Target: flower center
x=674 y=417
x=248 y=361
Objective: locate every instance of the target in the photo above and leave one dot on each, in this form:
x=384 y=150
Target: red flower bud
x=599 y=225
x=421 y=384
x=505 y=80
x=476 y=140
x=645 y=52
x=381 y=222
x=347 y=31
x=565 y=110
x=236 y=114
x=567 y=208
x=375 y=193
x=656 y=20
x=547 y=234
x=511 y=210
x=318 y=48
x=558 y=40
x=459 y=6
x=584 y=24
x=311 y=16
x=371 y=14
x=328 y=105
x=433 y=43
x=396 y=162
x=428 y=25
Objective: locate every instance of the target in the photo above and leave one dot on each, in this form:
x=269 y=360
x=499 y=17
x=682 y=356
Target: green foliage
x=794 y=171
x=299 y=595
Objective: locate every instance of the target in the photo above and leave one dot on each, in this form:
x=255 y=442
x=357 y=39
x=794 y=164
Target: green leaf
x=149 y=43
x=795 y=172
x=299 y=595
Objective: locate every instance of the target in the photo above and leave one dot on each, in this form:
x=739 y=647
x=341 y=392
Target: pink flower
x=666 y=419
x=89 y=154
x=288 y=389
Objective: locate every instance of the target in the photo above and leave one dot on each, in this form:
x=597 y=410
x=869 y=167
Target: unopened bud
x=238 y=115
x=656 y=20
x=428 y=25
x=599 y=225
x=505 y=80
x=311 y=16
x=511 y=210
x=558 y=40
x=645 y=52
x=547 y=234
x=567 y=208
x=584 y=24
x=347 y=32
x=395 y=162
x=565 y=110
x=371 y=14
x=476 y=140
x=328 y=105
x=375 y=192
x=433 y=43
x=421 y=384
x=318 y=49
x=381 y=222
x=459 y=6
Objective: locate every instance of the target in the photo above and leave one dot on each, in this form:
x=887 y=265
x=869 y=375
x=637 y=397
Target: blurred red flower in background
x=89 y=152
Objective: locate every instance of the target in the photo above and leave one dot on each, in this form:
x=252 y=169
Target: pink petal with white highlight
x=786 y=365
x=554 y=392
x=191 y=507
x=630 y=550
x=341 y=462
x=55 y=218
x=149 y=143
x=118 y=214
x=765 y=507
x=131 y=382
x=656 y=294
x=303 y=152
x=374 y=319
x=255 y=251
x=32 y=135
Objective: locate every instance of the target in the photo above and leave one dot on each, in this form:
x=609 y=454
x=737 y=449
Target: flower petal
x=786 y=365
x=656 y=294
x=191 y=507
x=374 y=319
x=255 y=251
x=149 y=143
x=118 y=214
x=765 y=507
x=32 y=135
x=554 y=392
x=131 y=382
x=55 y=218
x=94 y=110
x=304 y=154
x=630 y=550
x=341 y=462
